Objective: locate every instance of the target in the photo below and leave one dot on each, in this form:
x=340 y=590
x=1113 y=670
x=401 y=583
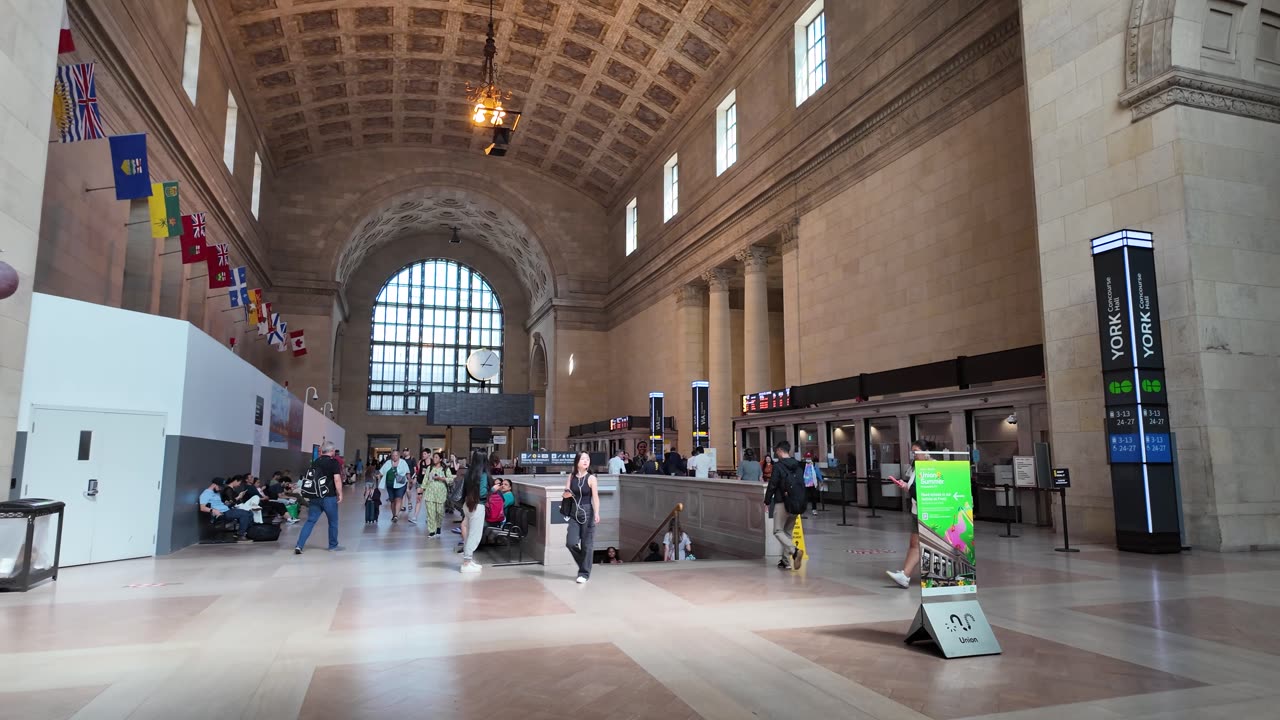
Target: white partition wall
x=217 y=415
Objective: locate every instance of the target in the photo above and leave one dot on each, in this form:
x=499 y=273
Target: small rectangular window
x=256 y=199
x=229 y=136
x=86 y=442
x=671 y=188
x=632 y=226
x=811 y=52
x=1269 y=38
x=191 y=52
x=727 y=132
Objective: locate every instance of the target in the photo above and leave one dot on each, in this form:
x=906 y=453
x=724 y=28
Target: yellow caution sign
x=797 y=535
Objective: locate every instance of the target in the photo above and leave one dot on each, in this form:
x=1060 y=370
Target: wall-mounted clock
x=483 y=365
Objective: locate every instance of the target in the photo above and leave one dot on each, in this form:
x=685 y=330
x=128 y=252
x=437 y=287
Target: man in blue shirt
x=211 y=502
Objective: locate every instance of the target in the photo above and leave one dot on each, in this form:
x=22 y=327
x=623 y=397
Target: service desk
x=724 y=518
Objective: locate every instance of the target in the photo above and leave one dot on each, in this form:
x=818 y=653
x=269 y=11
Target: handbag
x=568 y=507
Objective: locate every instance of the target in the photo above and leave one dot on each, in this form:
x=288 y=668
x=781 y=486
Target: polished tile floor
x=391 y=629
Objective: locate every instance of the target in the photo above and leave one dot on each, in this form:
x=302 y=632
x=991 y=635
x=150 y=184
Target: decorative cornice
x=1193 y=88
x=754 y=258
x=717 y=279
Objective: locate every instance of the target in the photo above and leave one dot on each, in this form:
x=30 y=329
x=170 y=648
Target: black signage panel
x=701 y=414
x=1155 y=433
x=657 y=406
x=767 y=400
x=1123 y=443
x=1145 y=305
x=545 y=459
x=1061 y=478
x=479 y=409
x=1114 y=319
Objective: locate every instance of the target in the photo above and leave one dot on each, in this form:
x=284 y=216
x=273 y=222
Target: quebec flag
x=239 y=290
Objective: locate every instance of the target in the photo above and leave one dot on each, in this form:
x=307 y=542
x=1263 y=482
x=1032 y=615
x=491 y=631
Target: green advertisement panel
x=948 y=563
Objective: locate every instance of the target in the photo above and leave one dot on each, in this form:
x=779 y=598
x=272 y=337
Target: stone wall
x=28 y=51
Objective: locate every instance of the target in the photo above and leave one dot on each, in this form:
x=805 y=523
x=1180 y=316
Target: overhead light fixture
x=486 y=98
x=455 y=239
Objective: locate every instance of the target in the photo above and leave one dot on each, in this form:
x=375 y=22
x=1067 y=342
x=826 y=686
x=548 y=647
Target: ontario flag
x=219 y=261
x=75 y=104
x=65 y=43
x=192 y=239
x=297 y=343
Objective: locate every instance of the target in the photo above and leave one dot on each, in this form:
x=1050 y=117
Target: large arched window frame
x=427 y=320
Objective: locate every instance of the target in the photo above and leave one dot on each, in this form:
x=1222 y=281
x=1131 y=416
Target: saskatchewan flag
x=163 y=203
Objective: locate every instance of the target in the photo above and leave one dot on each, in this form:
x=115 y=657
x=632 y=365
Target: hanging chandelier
x=486 y=98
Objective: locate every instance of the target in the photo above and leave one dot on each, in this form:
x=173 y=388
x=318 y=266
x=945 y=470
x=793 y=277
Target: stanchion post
x=1066 y=536
x=844 y=499
x=873 y=495
x=1008 y=518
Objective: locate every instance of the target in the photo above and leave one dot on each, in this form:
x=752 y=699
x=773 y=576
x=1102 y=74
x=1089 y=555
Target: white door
x=107 y=467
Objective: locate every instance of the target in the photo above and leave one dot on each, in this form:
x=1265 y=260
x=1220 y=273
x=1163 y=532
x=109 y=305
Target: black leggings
x=813 y=495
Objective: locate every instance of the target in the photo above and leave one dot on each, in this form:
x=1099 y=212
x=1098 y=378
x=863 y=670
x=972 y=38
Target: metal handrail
x=662 y=526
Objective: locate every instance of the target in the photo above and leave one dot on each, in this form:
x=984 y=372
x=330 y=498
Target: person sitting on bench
x=211 y=503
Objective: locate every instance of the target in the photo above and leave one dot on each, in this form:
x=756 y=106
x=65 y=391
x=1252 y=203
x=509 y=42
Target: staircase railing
x=662 y=527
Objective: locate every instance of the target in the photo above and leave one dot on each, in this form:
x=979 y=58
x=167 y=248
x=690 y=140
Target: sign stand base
x=959 y=629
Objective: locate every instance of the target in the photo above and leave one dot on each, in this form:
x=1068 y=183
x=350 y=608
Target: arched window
x=427 y=320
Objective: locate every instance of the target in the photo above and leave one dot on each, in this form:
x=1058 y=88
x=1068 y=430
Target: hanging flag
x=64 y=39
x=298 y=343
x=264 y=319
x=278 y=333
x=255 y=300
x=219 y=262
x=163 y=204
x=129 y=165
x=192 y=238
x=233 y=344
x=75 y=104
x=239 y=290
x=65 y=43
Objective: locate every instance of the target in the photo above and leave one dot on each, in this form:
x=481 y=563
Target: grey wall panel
x=19 y=457
x=189 y=465
x=290 y=461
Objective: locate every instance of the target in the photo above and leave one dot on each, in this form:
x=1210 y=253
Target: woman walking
x=581 y=486
x=749 y=469
x=472 y=512
x=436 y=478
x=919 y=451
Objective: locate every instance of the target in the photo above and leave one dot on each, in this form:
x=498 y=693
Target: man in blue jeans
x=212 y=504
x=325 y=466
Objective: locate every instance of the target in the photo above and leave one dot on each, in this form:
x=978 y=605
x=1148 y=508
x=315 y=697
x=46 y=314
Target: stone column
x=138 y=284
x=720 y=367
x=790 y=252
x=691 y=340
x=755 y=313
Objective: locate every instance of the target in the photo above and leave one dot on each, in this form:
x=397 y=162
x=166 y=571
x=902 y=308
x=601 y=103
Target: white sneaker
x=469 y=567
x=899 y=577
x=411 y=520
x=581 y=580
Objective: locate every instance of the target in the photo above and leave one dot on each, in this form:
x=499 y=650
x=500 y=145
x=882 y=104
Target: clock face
x=483 y=365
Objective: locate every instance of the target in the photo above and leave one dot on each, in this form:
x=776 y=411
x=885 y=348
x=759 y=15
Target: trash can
x=30 y=542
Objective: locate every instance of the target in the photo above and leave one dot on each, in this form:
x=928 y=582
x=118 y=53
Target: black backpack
x=315 y=485
x=791 y=485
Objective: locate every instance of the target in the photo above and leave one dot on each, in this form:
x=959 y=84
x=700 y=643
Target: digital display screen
x=620 y=423
x=768 y=400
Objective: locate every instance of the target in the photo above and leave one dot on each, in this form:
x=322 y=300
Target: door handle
x=93 y=489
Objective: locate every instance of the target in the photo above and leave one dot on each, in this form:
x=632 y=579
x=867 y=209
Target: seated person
x=655 y=553
x=272 y=508
x=508 y=497
x=211 y=502
x=495 y=512
x=611 y=556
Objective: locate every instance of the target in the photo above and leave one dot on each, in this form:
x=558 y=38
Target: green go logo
x=1120 y=387
x=1151 y=385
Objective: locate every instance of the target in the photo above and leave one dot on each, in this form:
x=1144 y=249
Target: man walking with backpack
x=322 y=485
x=785 y=498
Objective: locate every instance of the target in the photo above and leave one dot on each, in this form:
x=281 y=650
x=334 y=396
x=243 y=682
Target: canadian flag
x=297 y=343
x=65 y=43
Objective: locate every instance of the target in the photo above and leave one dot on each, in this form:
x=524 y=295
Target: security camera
x=1012 y=419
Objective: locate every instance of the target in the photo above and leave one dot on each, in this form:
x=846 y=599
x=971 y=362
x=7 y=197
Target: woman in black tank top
x=581 y=486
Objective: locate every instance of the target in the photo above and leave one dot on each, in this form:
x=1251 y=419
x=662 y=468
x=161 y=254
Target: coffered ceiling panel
x=601 y=83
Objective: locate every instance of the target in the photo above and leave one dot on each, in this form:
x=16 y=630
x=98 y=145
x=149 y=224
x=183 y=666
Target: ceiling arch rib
x=433 y=215
x=600 y=82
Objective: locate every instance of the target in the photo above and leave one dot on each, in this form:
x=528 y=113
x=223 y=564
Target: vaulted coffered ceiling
x=602 y=83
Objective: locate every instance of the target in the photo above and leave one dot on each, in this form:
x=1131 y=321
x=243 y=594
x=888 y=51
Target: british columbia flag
x=75 y=104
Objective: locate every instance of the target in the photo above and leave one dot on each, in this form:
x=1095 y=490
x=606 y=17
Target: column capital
x=717 y=279
x=690 y=295
x=753 y=258
x=789 y=234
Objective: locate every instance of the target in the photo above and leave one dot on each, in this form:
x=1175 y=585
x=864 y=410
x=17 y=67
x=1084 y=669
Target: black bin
x=30 y=542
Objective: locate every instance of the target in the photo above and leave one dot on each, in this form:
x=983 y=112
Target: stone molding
x=754 y=258
x=981 y=72
x=690 y=296
x=1182 y=86
x=717 y=279
x=789 y=234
